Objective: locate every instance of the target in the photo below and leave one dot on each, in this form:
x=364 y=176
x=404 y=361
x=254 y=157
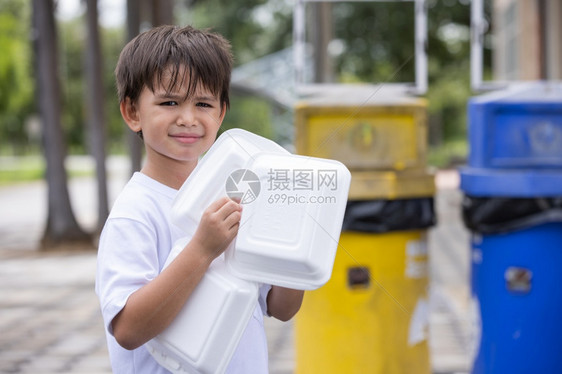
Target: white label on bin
x=476 y=239
x=419 y=324
x=477 y=256
x=476 y=328
x=416 y=248
x=416 y=259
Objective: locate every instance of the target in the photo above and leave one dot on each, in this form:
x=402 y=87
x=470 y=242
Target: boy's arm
x=154 y=306
x=283 y=303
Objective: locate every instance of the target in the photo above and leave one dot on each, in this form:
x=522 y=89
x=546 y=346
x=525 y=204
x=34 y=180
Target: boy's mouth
x=186 y=138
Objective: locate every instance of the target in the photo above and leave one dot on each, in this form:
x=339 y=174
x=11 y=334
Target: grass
x=22 y=169
x=16 y=176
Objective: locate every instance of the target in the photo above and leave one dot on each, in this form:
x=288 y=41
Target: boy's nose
x=186 y=118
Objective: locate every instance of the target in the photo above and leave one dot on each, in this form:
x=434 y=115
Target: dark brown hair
x=202 y=57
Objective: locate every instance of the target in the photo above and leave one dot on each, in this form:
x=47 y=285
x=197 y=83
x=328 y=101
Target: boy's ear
x=130 y=114
x=223 y=113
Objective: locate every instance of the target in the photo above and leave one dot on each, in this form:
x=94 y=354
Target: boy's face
x=174 y=127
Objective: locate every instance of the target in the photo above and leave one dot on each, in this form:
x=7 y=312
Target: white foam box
x=205 y=333
x=291 y=222
x=285 y=239
x=289 y=234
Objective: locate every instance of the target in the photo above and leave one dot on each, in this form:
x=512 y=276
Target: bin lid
x=359 y=96
x=524 y=93
x=517 y=128
x=511 y=182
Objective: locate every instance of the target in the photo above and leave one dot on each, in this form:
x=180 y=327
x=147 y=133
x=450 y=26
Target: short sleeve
x=262 y=299
x=127 y=260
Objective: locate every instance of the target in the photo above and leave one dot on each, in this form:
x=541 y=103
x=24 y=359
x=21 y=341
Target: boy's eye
x=204 y=105
x=169 y=103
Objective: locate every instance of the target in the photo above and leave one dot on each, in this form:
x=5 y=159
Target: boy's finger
x=236 y=199
x=233 y=219
x=217 y=204
x=228 y=208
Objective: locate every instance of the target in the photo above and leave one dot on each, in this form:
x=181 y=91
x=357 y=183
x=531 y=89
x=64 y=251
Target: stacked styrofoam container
x=288 y=236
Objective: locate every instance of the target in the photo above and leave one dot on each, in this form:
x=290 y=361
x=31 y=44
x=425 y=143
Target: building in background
x=527 y=39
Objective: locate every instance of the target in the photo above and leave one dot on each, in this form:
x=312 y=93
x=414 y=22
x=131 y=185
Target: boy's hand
x=218 y=227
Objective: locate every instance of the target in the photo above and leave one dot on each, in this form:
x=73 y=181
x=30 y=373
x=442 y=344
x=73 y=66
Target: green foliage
x=72 y=35
x=254 y=27
x=447 y=99
x=375 y=42
x=450 y=154
x=251 y=114
x=449 y=75
x=449 y=80
x=17 y=79
x=16 y=83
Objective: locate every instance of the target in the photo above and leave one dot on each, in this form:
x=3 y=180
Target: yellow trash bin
x=373 y=314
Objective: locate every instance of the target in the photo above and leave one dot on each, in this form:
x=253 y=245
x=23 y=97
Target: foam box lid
x=233 y=150
x=293 y=208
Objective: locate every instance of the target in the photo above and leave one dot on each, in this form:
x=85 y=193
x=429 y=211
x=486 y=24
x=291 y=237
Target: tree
x=95 y=107
x=62 y=226
x=162 y=12
x=133 y=27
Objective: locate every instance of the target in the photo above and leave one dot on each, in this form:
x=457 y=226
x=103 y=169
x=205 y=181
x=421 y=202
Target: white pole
x=299 y=42
x=476 y=44
x=421 y=46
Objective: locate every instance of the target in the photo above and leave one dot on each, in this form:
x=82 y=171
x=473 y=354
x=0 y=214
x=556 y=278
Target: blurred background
x=365 y=44
x=368 y=44
x=362 y=42
x=65 y=152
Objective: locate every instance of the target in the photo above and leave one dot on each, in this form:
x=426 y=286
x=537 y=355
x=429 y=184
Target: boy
x=173 y=90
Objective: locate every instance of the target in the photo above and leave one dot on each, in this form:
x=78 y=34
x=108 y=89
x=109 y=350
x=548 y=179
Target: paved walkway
x=49 y=314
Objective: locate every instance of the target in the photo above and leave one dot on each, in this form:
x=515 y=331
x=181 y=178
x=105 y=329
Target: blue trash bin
x=516 y=152
x=515 y=288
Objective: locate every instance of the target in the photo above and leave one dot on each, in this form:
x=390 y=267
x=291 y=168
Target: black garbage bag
x=379 y=216
x=494 y=215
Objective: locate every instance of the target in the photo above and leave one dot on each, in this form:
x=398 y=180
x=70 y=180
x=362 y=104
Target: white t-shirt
x=134 y=245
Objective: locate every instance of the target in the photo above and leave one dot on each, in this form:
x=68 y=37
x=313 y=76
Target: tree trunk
x=62 y=227
x=133 y=27
x=155 y=13
x=95 y=108
x=321 y=36
x=162 y=12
